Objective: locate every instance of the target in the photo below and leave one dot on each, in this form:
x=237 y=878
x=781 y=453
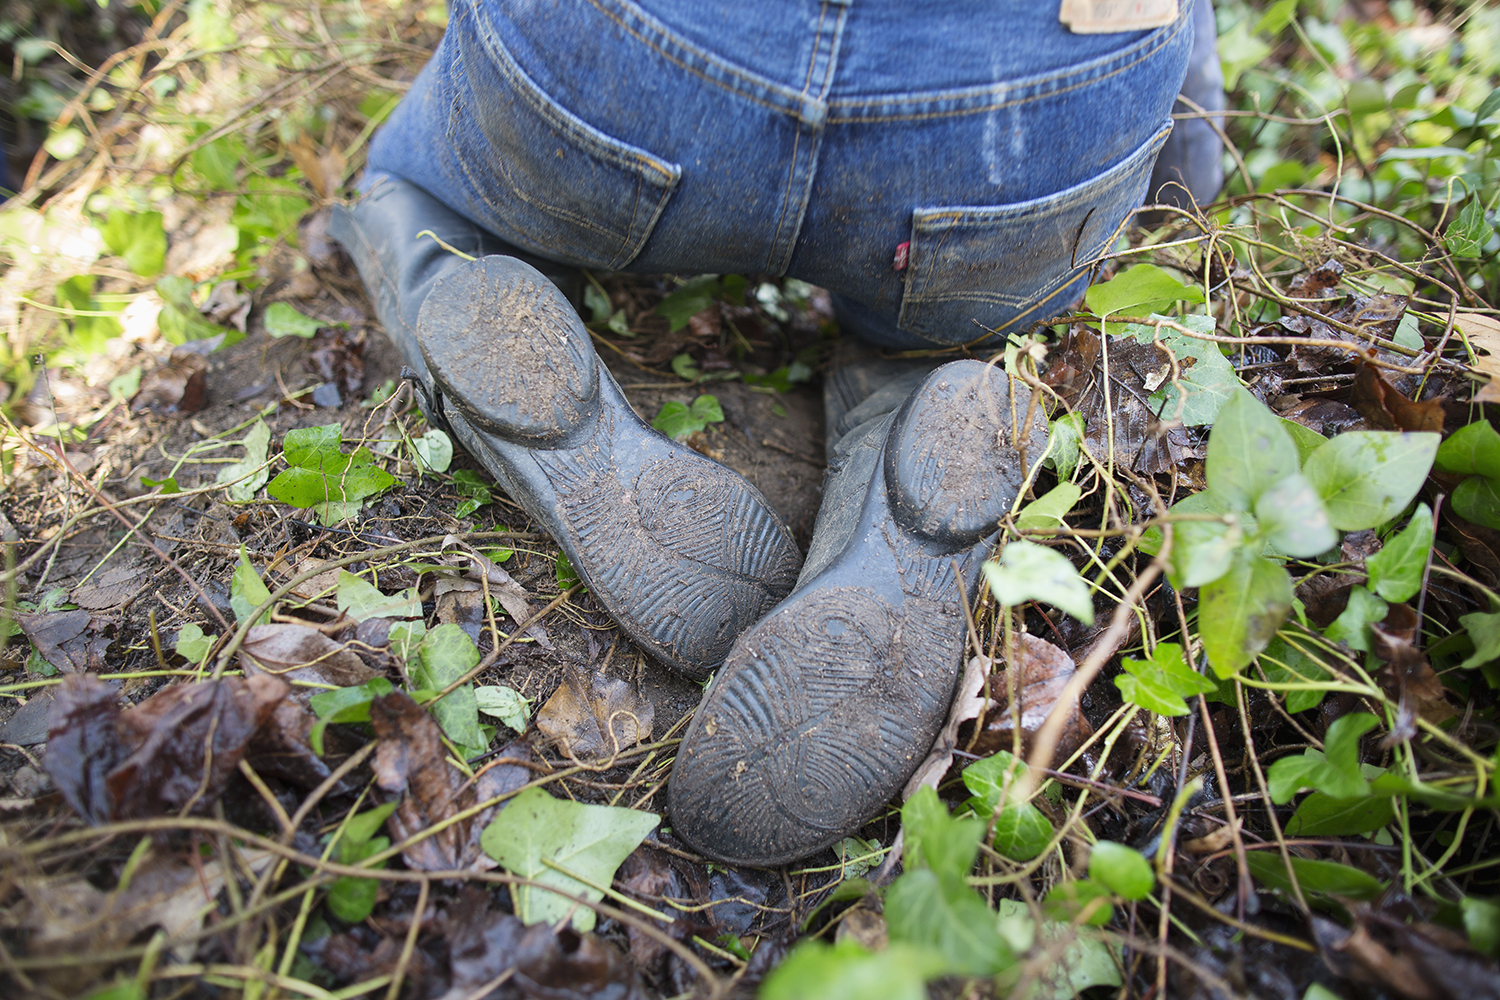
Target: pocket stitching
x=925 y=222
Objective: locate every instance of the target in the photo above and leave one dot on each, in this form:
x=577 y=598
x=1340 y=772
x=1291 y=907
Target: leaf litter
x=1213 y=774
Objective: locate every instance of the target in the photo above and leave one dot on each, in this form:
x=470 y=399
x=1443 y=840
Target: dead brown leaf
x=60 y=636
x=548 y=964
x=1387 y=409
x=594 y=717
x=413 y=763
x=69 y=916
x=179 y=386
x=1407 y=675
x=1044 y=672
x=301 y=653
x=175 y=751
x=513 y=597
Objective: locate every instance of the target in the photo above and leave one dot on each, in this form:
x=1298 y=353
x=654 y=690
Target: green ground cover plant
x=1232 y=726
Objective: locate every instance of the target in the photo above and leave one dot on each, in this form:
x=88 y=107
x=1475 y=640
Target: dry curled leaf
x=179 y=386
x=301 y=653
x=1044 y=673
x=413 y=763
x=1387 y=409
x=593 y=717
x=60 y=636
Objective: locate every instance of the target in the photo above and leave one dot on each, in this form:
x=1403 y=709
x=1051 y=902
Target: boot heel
x=509 y=351
x=949 y=475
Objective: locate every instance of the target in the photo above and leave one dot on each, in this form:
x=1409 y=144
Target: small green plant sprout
x=1266 y=503
x=679 y=421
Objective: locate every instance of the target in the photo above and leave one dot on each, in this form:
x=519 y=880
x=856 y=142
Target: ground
x=1231 y=724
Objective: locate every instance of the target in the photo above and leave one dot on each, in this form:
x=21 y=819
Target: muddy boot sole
x=823 y=711
x=682 y=551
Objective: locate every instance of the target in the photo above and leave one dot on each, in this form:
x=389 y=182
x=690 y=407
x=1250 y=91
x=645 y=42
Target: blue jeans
x=945 y=169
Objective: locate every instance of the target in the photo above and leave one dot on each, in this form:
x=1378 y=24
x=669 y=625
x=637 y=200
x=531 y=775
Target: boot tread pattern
x=872 y=682
x=696 y=555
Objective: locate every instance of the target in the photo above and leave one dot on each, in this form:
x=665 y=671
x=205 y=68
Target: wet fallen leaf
x=592 y=716
x=1044 y=672
x=1419 y=962
x=179 y=386
x=412 y=762
x=337 y=358
x=59 y=636
x=109 y=588
x=1387 y=409
x=227 y=305
x=174 y=751
x=549 y=964
x=1407 y=675
x=301 y=653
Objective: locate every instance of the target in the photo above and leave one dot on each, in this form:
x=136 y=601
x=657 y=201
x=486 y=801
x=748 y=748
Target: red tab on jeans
x=902 y=250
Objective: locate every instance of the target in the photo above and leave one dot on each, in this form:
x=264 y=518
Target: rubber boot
x=824 y=709
x=682 y=552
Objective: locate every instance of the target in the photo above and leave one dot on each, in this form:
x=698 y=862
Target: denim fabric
x=936 y=166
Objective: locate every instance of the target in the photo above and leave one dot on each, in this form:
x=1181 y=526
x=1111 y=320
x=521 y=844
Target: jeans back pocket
x=552 y=183
x=1006 y=266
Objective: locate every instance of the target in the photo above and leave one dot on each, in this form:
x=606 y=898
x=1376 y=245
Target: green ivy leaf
x=1323 y=878
x=1477 y=499
x=1047 y=511
x=1248 y=451
x=1123 y=870
x=945 y=916
x=1140 y=290
x=446 y=654
x=138 y=238
x=1482 y=922
x=588 y=841
x=846 y=971
x=1353 y=623
x=1161 y=683
x=1080 y=901
x=1293 y=518
x=434 y=451
x=349 y=704
x=1305 y=438
x=361 y=600
x=1336 y=772
x=694 y=296
x=936 y=839
x=1021 y=830
x=1064 y=444
x=1471 y=450
x=1468 y=234
x=473 y=490
x=248 y=475
x=1396 y=570
x=1077 y=960
x=247 y=592
x=1323 y=815
x=1484 y=630
x=1202 y=551
x=1240 y=612
x=1285 y=664
x=1368 y=477
x=283 y=320
x=1205 y=378
x=1030 y=572
x=192 y=645
x=504 y=703
x=679 y=421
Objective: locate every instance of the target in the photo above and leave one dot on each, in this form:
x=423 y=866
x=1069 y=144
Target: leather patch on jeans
x=1098 y=17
